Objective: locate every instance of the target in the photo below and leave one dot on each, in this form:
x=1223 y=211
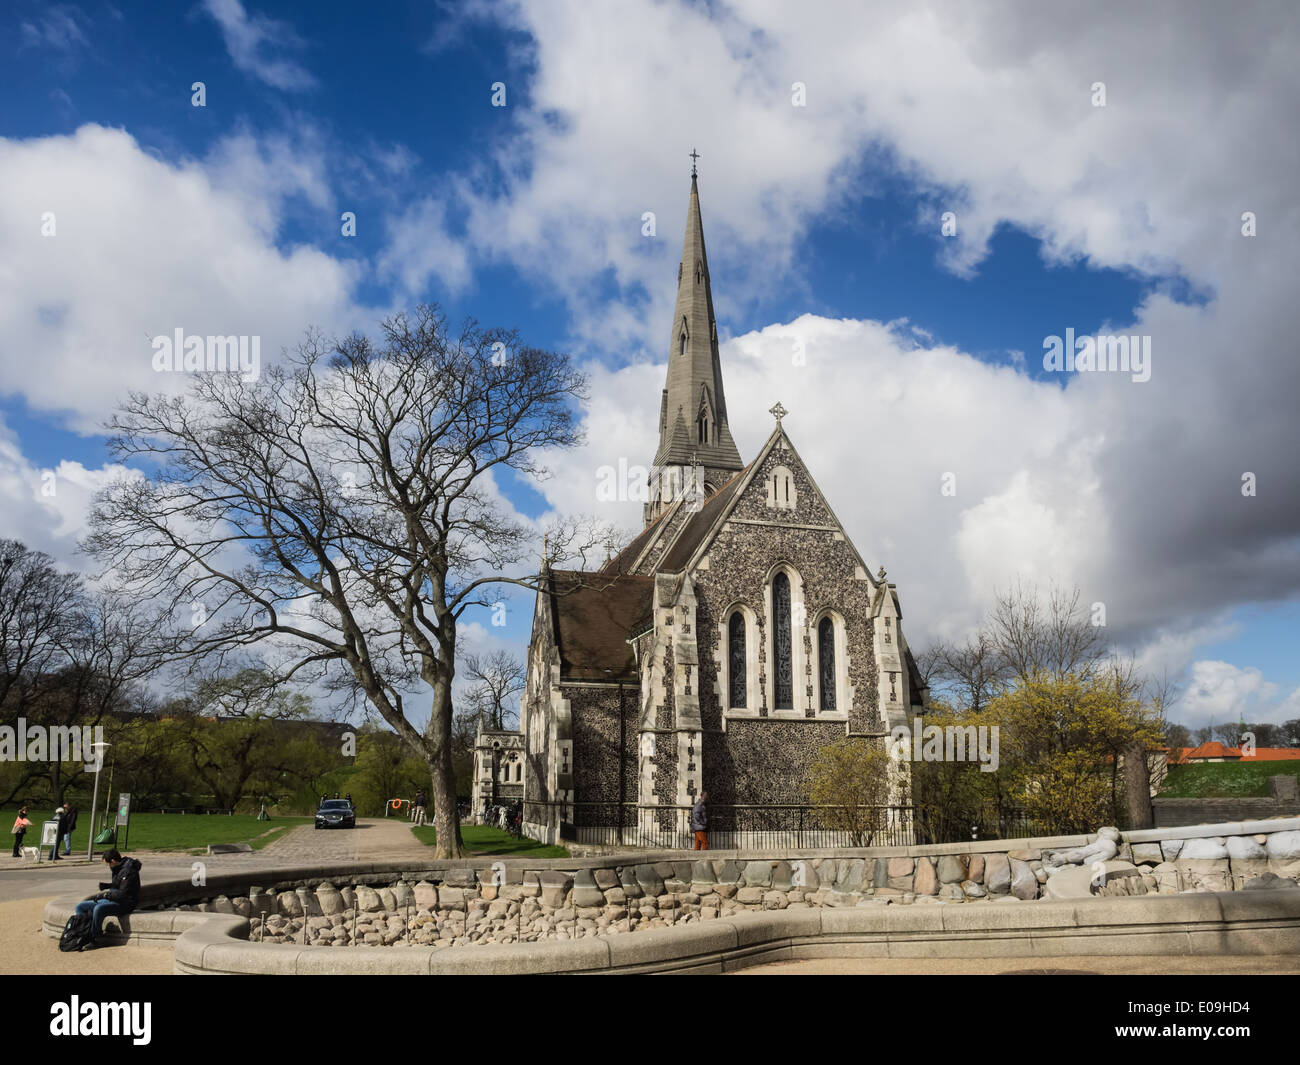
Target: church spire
x=693 y=412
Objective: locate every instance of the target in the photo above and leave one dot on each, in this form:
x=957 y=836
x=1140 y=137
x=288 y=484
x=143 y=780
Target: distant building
x=498 y=770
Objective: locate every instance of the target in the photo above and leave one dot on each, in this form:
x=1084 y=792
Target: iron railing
x=737 y=826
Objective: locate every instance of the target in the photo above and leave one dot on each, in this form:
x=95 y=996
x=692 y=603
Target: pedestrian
x=72 y=824
x=21 y=825
x=502 y=815
x=61 y=816
x=117 y=898
x=348 y=796
x=700 y=822
x=421 y=804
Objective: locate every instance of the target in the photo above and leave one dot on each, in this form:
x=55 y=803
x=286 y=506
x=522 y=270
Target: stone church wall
x=596 y=742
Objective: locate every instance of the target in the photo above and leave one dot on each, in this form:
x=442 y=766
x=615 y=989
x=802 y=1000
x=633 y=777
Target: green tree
x=1061 y=741
x=849 y=783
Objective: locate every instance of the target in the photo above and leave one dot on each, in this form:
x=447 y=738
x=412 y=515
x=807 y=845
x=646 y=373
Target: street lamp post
x=99 y=764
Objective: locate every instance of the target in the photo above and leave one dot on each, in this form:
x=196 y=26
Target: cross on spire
x=694 y=155
x=778 y=412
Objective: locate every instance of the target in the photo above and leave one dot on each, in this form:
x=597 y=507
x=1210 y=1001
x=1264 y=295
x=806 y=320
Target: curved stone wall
x=690 y=912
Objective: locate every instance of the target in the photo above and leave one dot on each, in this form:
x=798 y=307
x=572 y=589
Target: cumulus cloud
x=140 y=248
x=46 y=507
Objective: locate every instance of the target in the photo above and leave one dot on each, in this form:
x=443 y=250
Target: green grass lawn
x=1214 y=780
x=485 y=840
x=171 y=832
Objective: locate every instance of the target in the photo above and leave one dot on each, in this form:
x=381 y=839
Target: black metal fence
x=741 y=826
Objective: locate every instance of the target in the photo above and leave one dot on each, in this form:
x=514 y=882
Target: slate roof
x=698 y=526
x=594 y=616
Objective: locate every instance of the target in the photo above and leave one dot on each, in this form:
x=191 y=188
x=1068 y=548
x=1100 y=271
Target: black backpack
x=77 y=933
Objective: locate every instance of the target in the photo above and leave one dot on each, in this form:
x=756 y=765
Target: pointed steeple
x=693 y=412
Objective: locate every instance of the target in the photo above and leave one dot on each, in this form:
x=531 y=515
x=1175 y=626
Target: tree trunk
x=446 y=817
x=1137 y=787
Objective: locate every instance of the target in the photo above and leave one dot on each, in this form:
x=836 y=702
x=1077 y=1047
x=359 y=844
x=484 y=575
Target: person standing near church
x=700 y=822
x=61 y=817
x=71 y=826
x=421 y=803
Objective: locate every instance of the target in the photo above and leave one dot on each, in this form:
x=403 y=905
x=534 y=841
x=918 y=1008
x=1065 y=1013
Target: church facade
x=736 y=635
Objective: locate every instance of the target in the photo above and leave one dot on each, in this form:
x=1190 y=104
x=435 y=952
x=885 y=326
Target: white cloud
x=143 y=247
x=1220 y=692
x=249 y=39
x=46 y=507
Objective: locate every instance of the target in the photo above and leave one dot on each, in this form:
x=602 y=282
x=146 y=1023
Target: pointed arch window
x=682 y=339
x=736 y=660
x=782 y=646
x=826 y=662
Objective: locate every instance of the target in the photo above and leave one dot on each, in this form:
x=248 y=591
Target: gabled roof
x=698 y=526
x=705 y=525
x=594 y=617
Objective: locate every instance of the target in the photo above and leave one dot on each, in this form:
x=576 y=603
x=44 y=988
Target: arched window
x=736 y=659
x=826 y=662
x=783 y=680
x=704 y=427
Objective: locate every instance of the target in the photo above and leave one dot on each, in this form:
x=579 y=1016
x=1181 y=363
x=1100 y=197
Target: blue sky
x=823 y=225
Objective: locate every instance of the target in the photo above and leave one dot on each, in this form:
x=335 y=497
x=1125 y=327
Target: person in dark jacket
x=61 y=816
x=700 y=822
x=116 y=898
x=72 y=824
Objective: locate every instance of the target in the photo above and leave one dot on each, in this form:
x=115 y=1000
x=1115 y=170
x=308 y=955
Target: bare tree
x=1032 y=633
x=969 y=673
x=340 y=511
x=498 y=679
x=68 y=656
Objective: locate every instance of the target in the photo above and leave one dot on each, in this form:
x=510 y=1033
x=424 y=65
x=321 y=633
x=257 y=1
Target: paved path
x=23 y=949
x=24 y=891
x=373 y=839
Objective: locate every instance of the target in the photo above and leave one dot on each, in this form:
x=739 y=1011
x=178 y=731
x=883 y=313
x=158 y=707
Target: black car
x=336 y=813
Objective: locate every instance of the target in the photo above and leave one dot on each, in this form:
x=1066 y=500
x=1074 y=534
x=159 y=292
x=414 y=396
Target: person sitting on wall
x=117 y=898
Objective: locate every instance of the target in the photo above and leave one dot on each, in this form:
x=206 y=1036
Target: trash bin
x=109 y=835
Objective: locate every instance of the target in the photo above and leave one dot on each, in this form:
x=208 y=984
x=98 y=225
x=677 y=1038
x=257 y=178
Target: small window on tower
x=682 y=349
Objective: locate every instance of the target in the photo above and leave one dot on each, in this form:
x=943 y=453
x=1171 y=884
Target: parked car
x=336 y=813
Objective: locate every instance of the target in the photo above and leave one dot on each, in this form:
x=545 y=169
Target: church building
x=737 y=634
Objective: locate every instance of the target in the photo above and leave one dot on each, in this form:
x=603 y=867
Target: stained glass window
x=736 y=658
x=826 y=662
x=783 y=689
